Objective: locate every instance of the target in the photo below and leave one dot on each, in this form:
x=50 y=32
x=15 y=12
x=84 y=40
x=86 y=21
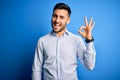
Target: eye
x=62 y=17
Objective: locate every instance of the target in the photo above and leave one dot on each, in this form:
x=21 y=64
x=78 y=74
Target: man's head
x=62 y=6
x=60 y=17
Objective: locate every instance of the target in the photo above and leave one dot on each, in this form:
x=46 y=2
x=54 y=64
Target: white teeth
x=57 y=25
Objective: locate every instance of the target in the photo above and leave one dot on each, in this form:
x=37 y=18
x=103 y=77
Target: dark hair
x=62 y=6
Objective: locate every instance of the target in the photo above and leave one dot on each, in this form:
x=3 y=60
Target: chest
x=62 y=47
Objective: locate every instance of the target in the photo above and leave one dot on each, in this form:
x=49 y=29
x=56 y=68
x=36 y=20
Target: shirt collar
x=66 y=33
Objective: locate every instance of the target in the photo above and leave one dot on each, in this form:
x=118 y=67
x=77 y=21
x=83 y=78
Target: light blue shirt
x=56 y=57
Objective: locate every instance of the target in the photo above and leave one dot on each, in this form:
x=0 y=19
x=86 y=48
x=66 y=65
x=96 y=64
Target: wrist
x=89 y=40
x=89 y=35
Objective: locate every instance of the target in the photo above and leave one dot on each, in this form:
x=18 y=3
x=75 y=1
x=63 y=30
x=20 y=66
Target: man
x=57 y=52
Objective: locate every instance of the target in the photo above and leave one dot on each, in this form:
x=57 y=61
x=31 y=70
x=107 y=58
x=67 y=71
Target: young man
x=57 y=52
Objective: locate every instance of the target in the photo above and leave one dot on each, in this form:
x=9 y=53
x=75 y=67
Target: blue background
x=22 y=22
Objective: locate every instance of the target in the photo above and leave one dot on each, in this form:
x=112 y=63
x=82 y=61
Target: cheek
x=53 y=19
x=64 y=22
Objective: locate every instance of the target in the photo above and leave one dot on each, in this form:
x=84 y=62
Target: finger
x=85 y=19
x=80 y=31
x=82 y=28
x=92 y=25
x=90 y=22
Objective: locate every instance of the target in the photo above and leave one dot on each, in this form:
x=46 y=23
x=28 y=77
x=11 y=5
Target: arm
x=87 y=53
x=89 y=56
x=37 y=64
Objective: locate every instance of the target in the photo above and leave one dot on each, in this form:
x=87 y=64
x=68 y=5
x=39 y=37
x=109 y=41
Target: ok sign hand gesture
x=86 y=31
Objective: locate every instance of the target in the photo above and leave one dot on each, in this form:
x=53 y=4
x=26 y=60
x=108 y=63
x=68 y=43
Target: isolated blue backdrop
x=22 y=22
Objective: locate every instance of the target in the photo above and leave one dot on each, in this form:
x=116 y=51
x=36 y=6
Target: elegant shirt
x=56 y=57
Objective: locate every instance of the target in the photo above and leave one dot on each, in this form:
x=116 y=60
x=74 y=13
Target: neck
x=59 y=34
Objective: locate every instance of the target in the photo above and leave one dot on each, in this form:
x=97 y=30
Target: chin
x=55 y=31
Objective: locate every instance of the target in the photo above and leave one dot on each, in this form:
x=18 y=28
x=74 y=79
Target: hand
x=86 y=31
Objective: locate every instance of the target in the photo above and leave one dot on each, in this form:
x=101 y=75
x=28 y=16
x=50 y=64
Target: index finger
x=90 y=21
x=85 y=19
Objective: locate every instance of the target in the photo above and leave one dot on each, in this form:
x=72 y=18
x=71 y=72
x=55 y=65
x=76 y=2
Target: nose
x=57 y=19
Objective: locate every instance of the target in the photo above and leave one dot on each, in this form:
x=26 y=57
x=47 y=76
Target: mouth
x=56 y=25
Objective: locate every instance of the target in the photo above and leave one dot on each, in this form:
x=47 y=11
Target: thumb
x=81 y=29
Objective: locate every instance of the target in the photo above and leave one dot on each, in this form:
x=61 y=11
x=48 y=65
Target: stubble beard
x=60 y=30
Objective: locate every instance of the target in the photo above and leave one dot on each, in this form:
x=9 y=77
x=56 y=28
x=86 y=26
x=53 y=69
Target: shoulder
x=44 y=38
x=74 y=36
x=77 y=39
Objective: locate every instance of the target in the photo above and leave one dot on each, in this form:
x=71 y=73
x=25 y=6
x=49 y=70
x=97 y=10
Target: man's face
x=60 y=18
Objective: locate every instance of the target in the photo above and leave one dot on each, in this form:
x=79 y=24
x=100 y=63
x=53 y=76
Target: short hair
x=62 y=6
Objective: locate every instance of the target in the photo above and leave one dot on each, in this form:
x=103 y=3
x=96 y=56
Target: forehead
x=61 y=12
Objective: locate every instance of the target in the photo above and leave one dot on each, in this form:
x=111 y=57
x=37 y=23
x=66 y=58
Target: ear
x=68 y=21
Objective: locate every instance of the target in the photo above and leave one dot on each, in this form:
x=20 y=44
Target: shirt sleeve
x=87 y=54
x=38 y=61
